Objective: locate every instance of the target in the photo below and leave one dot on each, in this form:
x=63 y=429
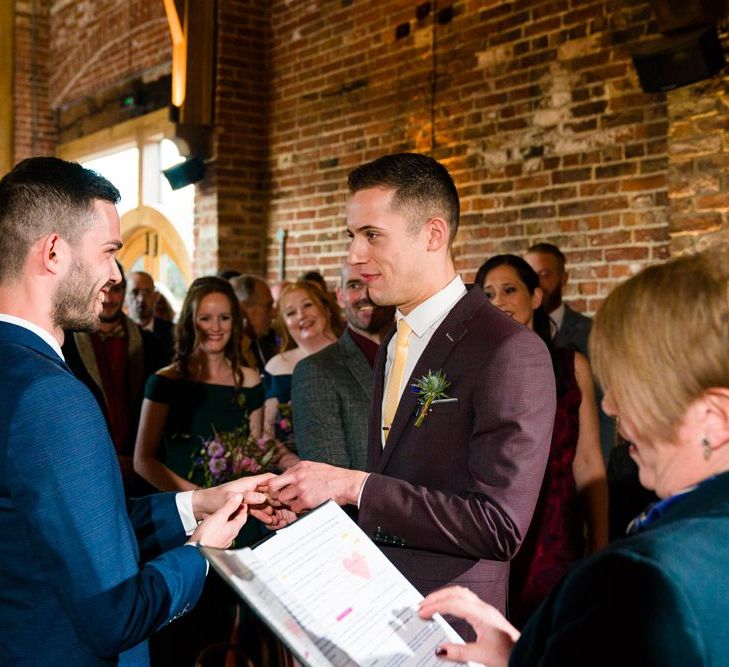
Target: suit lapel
x=374 y=451
x=136 y=360
x=21 y=336
x=433 y=358
x=88 y=358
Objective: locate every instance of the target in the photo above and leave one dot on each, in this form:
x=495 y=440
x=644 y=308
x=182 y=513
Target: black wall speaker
x=190 y=171
x=670 y=62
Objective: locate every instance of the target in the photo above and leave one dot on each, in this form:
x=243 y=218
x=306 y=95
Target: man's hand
x=208 y=501
x=309 y=484
x=495 y=636
x=220 y=528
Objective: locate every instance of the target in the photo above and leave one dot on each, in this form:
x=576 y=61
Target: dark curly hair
x=186 y=338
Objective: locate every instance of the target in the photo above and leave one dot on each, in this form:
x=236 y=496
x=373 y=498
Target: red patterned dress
x=555 y=538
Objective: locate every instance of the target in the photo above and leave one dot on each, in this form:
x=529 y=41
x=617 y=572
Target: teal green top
x=195 y=408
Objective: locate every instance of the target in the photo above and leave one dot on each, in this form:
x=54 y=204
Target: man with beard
x=570 y=328
x=141 y=300
x=85 y=578
x=332 y=389
x=114 y=363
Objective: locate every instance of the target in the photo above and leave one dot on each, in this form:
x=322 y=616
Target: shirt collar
x=38 y=331
x=424 y=316
x=557 y=315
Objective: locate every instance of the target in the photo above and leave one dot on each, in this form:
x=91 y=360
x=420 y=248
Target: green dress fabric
x=196 y=408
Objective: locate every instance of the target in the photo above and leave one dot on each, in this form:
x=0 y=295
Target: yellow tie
x=392 y=393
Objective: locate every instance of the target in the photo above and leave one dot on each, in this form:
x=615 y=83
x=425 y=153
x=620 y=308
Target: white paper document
x=332 y=596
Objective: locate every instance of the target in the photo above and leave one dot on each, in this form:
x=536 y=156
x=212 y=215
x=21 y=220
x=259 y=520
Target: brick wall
x=34 y=128
x=231 y=208
x=698 y=172
x=99 y=45
x=533 y=105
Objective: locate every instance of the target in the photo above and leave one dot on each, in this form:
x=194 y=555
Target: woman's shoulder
x=162 y=385
x=282 y=364
x=583 y=371
x=170 y=372
x=251 y=377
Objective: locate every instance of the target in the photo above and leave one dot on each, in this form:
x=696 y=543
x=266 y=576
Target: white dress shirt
x=423 y=322
x=555 y=319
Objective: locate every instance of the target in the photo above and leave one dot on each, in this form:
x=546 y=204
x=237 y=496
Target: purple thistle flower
x=217 y=465
x=215 y=449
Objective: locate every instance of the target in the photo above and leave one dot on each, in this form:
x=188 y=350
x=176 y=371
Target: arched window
x=156 y=221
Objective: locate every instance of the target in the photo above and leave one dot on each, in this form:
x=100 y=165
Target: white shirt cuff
x=361 y=489
x=184 y=509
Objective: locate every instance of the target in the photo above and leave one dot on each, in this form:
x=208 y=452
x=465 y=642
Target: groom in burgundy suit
x=449 y=497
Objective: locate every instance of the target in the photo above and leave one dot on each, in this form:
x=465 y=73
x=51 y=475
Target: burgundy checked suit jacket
x=450 y=502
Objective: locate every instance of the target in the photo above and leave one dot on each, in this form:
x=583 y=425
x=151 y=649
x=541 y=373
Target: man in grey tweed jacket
x=331 y=393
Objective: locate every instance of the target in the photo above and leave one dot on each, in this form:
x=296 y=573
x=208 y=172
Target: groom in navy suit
x=84 y=580
x=451 y=486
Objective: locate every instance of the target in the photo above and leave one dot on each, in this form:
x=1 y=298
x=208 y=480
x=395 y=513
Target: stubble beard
x=75 y=299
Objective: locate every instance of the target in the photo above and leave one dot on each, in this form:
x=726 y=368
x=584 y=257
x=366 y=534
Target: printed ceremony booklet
x=332 y=596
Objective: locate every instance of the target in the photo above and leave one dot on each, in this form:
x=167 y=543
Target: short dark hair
x=422 y=185
x=227 y=274
x=549 y=249
x=46 y=195
x=316 y=278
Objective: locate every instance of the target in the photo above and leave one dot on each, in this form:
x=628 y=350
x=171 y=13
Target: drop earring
x=706 y=445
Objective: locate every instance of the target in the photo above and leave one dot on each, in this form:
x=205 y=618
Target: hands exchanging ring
x=274 y=500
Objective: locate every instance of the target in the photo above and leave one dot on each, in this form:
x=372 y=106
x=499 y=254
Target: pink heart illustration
x=356 y=564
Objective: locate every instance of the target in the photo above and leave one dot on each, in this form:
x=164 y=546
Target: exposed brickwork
x=232 y=206
x=533 y=105
x=96 y=45
x=698 y=172
x=538 y=114
x=34 y=126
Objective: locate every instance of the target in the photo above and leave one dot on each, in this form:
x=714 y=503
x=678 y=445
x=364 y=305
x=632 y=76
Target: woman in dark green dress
x=206 y=390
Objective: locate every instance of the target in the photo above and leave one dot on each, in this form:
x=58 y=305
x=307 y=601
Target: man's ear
x=340 y=296
x=438 y=233
x=537 y=298
x=54 y=253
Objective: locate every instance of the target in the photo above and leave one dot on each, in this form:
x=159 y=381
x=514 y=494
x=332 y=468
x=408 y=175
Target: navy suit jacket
x=451 y=501
x=658 y=598
x=75 y=589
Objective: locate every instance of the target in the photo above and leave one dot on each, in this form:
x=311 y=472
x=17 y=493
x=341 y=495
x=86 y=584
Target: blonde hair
x=661 y=339
x=323 y=302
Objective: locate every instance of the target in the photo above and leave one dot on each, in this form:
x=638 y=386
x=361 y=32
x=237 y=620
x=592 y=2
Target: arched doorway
x=157 y=222
x=153 y=244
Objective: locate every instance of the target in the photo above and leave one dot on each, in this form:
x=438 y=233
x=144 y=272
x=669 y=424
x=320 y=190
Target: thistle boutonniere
x=431 y=387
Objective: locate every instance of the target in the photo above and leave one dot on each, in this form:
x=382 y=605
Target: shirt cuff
x=184 y=509
x=361 y=489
